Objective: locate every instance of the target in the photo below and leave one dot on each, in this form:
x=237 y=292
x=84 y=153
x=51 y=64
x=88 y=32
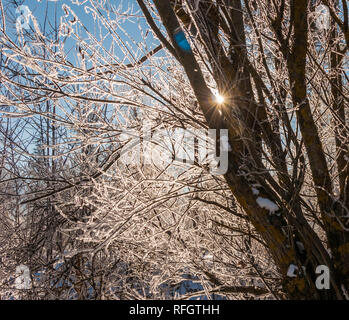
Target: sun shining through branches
x=219 y=98
x=112 y=116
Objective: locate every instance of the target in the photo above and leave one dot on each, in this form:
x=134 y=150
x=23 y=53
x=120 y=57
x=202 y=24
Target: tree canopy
x=106 y=107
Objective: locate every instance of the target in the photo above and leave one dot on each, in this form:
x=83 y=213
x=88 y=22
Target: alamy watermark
x=163 y=147
x=323 y=280
x=23 y=278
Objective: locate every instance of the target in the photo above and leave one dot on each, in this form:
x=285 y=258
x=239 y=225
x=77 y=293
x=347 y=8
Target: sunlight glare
x=219 y=98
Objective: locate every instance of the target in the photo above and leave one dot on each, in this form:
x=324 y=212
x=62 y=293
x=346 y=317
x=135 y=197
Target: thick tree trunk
x=286 y=228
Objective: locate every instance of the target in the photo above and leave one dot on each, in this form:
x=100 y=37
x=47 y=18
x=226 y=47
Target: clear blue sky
x=47 y=11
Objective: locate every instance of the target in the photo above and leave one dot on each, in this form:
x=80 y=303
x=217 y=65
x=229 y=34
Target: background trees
x=258 y=231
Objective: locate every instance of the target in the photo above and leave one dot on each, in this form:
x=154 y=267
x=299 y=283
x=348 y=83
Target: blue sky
x=47 y=11
x=48 y=14
x=38 y=8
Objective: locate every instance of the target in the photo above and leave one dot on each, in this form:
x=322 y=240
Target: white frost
x=267 y=204
x=291 y=272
